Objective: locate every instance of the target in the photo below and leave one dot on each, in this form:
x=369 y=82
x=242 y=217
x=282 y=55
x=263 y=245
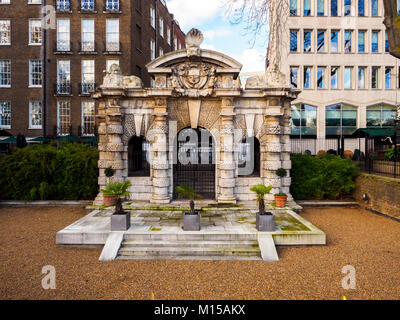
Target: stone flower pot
x=191 y=222
x=109 y=200
x=280 y=201
x=265 y=222
x=121 y=222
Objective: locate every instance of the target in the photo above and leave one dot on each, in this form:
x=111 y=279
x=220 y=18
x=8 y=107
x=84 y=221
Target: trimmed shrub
x=45 y=172
x=322 y=177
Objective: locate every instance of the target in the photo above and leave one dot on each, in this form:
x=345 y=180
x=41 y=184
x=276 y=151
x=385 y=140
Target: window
x=35 y=1
x=64 y=118
x=152 y=49
x=161 y=27
x=5 y=32
x=321 y=41
x=381 y=115
x=334 y=8
x=347 y=41
x=348 y=77
x=375 y=77
x=304 y=120
x=334 y=41
x=374 y=41
x=307 y=41
x=386 y=42
x=87 y=76
x=398 y=7
x=321 y=8
x=87 y=35
x=63 y=35
x=63 y=77
x=321 y=77
x=152 y=17
x=374 y=8
x=63 y=5
x=347 y=7
x=307 y=7
x=293 y=40
x=361 y=41
x=334 y=77
x=5 y=114
x=112 y=36
x=138 y=154
x=169 y=35
x=341 y=119
x=361 y=77
x=35 y=31
x=361 y=8
x=293 y=7
x=249 y=157
x=35 y=115
x=388 y=77
x=88 y=118
x=112 y=5
x=5 y=2
x=161 y=52
x=307 y=78
x=5 y=73
x=35 y=73
x=87 y=5
x=293 y=77
x=110 y=62
x=175 y=43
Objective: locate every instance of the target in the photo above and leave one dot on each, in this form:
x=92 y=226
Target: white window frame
x=88 y=118
x=88 y=71
x=161 y=26
x=61 y=81
x=152 y=17
x=161 y=52
x=365 y=78
x=65 y=106
x=4 y=104
x=5 y=1
x=31 y=105
x=5 y=32
x=34 y=1
x=32 y=32
x=152 y=49
x=64 y=37
x=351 y=68
x=6 y=72
x=169 y=35
x=31 y=78
x=112 y=35
x=88 y=45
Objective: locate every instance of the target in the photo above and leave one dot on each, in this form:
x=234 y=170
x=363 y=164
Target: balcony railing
x=87 y=47
x=112 y=6
x=61 y=46
x=62 y=88
x=63 y=130
x=87 y=6
x=112 y=47
x=63 y=5
x=87 y=88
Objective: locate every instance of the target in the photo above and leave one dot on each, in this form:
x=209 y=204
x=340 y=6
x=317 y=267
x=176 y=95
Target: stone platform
x=156 y=233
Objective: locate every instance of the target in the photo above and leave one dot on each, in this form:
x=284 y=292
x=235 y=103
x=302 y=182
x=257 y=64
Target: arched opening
x=194 y=161
x=138 y=155
x=249 y=157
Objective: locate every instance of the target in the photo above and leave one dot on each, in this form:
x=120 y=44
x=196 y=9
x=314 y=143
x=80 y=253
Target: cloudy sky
x=209 y=16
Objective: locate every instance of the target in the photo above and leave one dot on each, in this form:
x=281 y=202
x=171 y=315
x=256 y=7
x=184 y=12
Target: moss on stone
x=155 y=229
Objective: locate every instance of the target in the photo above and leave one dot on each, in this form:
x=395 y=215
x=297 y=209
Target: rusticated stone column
x=110 y=143
x=227 y=164
x=158 y=137
x=271 y=153
x=286 y=149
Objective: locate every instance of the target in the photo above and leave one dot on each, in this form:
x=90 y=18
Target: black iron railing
x=87 y=47
x=62 y=88
x=112 y=6
x=87 y=88
x=87 y=6
x=61 y=46
x=63 y=5
x=112 y=47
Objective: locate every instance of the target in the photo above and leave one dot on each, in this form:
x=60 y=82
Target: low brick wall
x=383 y=193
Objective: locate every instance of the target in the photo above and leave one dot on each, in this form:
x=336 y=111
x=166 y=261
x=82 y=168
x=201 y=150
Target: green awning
x=39 y=139
x=67 y=139
x=90 y=140
x=9 y=140
x=374 y=132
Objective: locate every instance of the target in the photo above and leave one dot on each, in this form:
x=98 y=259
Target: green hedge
x=45 y=172
x=322 y=177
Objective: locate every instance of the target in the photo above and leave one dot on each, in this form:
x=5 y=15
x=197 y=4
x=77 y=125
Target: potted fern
x=265 y=221
x=120 y=220
x=280 y=198
x=191 y=219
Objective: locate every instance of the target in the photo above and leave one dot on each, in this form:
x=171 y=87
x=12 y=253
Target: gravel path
x=368 y=242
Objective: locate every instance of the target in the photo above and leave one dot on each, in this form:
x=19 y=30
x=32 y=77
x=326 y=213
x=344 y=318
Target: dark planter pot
x=121 y=222
x=265 y=222
x=191 y=222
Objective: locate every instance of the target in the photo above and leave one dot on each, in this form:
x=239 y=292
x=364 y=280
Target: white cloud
x=212 y=34
x=193 y=13
x=251 y=59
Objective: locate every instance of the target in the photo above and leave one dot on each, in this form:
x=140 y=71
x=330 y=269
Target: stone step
x=191 y=236
x=188 y=257
x=191 y=244
x=178 y=251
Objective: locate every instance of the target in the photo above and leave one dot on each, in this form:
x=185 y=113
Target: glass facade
x=361 y=8
x=334 y=77
x=321 y=77
x=347 y=7
x=348 y=72
x=374 y=8
x=334 y=8
x=334 y=41
x=388 y=78
x=307 y=78
x=293 y=7
x=381 y=116
x=307 y=7
x=293 y=77
x=293 y=40
x=321 y=41
x=374 y=41
x=340 y=119
x=347 y=41
x=304 y=120
x=361 y=77
x=361 y=41
x=320 y=8
x=307 y=41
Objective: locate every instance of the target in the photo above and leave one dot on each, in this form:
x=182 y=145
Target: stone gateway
x=196 y=126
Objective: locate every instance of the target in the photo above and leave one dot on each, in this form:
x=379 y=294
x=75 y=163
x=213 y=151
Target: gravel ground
x=368 y=242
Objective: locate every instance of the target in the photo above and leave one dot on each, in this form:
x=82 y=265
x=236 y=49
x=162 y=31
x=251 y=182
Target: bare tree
x=392 y=22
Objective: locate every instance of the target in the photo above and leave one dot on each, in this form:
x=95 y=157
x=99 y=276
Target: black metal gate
x=200 y=175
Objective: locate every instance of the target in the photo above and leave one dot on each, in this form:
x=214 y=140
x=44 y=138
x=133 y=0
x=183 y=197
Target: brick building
x=77 y=42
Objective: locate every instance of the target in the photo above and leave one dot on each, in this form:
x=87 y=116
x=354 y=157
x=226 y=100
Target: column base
x=226 y=199
x=160 y=200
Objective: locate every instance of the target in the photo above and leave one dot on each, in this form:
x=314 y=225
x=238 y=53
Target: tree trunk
x=261 y=207
x=192 y=207
x=392 y=23
x=118 y=207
